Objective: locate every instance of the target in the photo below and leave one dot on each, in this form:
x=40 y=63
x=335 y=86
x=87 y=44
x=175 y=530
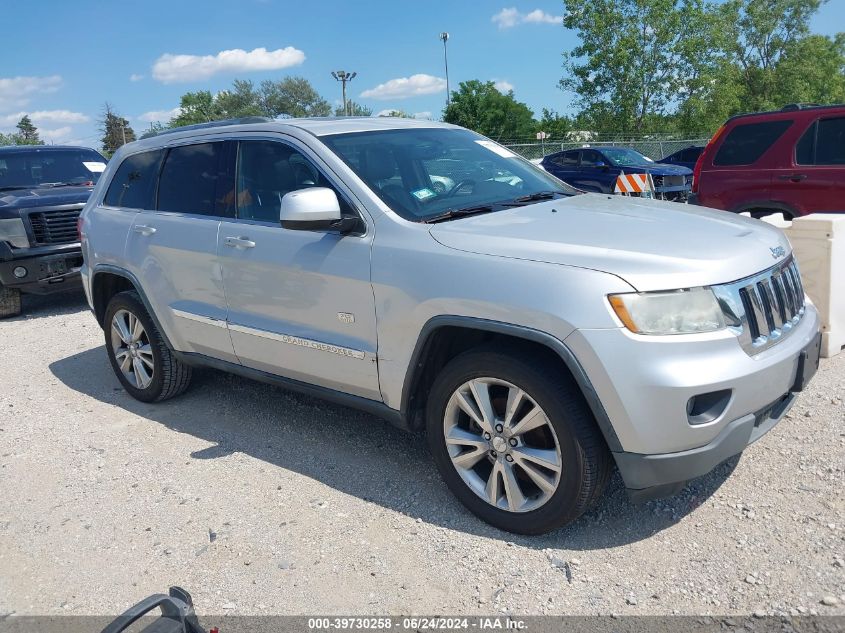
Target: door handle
x=793 y=177
x=143 y=229
x=240 y=242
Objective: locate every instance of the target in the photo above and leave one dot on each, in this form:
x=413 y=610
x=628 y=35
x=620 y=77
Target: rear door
x=300 y=302
x=815 y=181
x=564 y=165
x=174 y=246
x=741 y=173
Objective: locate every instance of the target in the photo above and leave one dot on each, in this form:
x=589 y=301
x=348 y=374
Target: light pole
x=445 y=36
x=343 y=77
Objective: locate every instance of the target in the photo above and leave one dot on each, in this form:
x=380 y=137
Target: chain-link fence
x=653 y=148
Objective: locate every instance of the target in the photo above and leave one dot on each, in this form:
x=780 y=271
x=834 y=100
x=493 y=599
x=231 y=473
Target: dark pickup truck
x=42 y=190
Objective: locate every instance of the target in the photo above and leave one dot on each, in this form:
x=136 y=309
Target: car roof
x=16 y=149
x=788 y=112
x=318 y=126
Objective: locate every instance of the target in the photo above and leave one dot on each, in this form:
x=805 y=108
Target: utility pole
x=123 y=132
x=445 y=36
x=343 y=77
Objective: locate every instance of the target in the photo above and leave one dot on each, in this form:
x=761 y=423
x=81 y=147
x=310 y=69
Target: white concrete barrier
x=818 y=242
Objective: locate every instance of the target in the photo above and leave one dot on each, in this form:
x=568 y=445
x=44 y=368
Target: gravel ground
x=259 y=501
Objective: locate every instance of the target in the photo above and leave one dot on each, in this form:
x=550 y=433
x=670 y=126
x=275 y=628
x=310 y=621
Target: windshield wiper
x=536 y=197
x=451 y=214
x=15 y=187
x=84 y=183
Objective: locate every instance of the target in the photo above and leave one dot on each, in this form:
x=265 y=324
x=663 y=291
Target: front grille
x=54 y=227
x=765 y=308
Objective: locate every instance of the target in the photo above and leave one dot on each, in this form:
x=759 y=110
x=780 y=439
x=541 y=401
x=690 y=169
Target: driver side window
x=590 y=158
x=267 y=170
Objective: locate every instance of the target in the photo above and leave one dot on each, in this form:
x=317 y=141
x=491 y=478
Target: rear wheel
x=141 y=360
x=10 y=302
x=515 y=441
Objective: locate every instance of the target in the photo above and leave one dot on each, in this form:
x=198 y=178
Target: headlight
x=675 y=312
x=12 y=231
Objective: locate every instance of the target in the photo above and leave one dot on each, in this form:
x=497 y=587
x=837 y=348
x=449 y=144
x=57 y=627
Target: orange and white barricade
x=640 y=184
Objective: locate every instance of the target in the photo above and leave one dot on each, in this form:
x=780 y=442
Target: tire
x=150 y=373
x=10 y=302
x=567 y=432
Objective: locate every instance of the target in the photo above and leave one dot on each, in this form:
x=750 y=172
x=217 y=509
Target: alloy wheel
x=132 y=350
x=502 y=444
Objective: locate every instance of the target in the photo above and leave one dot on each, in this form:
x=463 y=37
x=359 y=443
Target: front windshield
x=620 y=156
x=42 y=167
x=427 y=172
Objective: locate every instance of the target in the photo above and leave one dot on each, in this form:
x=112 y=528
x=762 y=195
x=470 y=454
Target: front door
x=300 y=303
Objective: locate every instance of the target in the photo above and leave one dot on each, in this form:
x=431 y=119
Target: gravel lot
x=259 y=501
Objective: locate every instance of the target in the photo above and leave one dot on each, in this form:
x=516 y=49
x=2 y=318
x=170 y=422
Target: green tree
x=7 y=139
x=293 y=96
x=553 y=124
x=355 y=109
x=811 y=70
x=479 y=106
x=241 y=101
x=198 y=107
x=27 y=133
x=396 y=113
x=116 y=130
x=634 y=58
x=758 y=35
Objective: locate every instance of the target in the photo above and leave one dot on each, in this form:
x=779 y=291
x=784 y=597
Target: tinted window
x=267 y=170
x=567 y=159
x=189 y=180
x=805 y=151
x=134 y=182
x=747 y=143
x=590 y=157
x=830 y=144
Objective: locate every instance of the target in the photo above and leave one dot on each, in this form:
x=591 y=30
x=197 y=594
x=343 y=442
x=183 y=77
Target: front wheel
x=515 y=441
x=141 y=360
x=10 y=302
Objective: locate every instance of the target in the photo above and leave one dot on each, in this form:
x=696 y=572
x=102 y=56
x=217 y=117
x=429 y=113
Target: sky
x=66 y=59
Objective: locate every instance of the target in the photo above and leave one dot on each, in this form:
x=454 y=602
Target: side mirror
x=600 y=164
x=313 y=209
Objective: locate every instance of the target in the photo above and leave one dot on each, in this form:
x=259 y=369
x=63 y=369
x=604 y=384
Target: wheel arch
x=107 y=281
x=444 y=337
x=769 y=206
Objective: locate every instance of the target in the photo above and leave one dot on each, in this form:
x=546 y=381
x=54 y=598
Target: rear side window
x=134 y=182
x=568 y=159
x=822 y=144
x=189 y=180
x=745 y=144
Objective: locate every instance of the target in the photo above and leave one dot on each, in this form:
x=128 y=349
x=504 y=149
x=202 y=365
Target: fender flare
x=516 y=331
x=131 y=278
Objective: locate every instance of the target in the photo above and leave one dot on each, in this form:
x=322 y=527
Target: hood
x=658 y=169
x=43 y=197
x=650 y=244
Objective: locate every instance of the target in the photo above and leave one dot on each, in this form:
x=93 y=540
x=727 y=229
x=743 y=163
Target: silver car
x=430 y=276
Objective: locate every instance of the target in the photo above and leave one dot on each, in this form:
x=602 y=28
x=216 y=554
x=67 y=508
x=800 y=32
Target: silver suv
x=430 y=276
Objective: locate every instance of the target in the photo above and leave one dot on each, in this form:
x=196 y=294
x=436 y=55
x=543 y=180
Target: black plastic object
x=177 y=614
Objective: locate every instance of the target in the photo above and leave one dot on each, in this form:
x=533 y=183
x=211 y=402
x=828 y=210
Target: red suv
x=790 y=161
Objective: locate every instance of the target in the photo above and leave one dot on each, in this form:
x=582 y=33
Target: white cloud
x=509 y=18
x=502 y=86
x=57 y=135
x=159 y=115
x=405 y=87
x=16 y=92
x=171 y=68
x=423 y=115
x=40 y=117
x=135 y=77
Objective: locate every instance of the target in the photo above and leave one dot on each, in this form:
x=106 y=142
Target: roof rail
x=211 y=124
x=799 y=106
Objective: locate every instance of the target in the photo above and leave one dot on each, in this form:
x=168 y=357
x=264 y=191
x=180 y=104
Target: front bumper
x=646 y=383
x=48 y=268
